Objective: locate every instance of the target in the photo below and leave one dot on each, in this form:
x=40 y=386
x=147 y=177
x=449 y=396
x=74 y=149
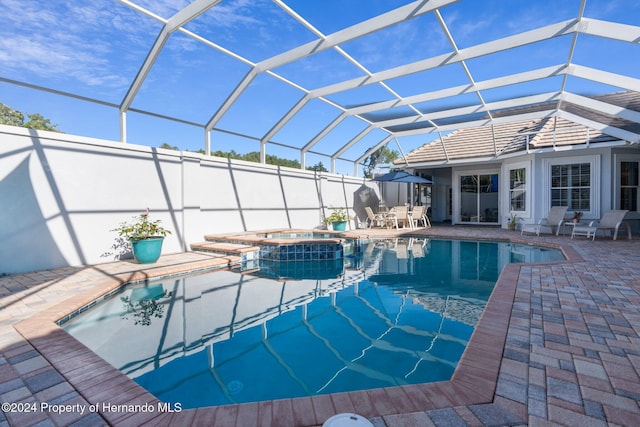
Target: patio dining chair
x=419 y=213
x=374 y=219
x=402 y=216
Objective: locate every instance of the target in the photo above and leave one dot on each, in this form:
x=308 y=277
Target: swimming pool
x=218 y=338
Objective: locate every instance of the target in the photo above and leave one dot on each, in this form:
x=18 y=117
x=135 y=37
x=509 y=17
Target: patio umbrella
x=402 y=176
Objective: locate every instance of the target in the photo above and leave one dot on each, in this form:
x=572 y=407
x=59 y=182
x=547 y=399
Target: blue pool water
x=402 y=313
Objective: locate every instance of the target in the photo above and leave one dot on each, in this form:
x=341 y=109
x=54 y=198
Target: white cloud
x=67 y=41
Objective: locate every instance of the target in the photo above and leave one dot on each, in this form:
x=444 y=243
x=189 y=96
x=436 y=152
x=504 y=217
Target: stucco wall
x=60 y=195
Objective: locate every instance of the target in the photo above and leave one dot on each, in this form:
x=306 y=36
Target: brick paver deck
x=559 y=344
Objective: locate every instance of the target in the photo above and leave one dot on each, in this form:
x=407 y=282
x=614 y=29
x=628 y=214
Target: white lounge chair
x=610 y=222
x=554 y=219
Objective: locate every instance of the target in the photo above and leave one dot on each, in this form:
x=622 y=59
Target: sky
x=95 y=48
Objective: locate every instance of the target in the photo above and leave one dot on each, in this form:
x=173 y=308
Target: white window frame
x=455 y=202
x=526 y=165
x=594 y=176
x=619 y=158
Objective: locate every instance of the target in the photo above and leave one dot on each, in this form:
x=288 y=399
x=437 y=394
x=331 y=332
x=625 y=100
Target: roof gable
x=499 y=139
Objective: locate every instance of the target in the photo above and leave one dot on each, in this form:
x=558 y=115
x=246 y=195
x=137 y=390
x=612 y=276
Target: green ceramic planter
x=147 y=251
x=339 y=225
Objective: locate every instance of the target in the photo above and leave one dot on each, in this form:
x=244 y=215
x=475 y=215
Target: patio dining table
x=393 y=220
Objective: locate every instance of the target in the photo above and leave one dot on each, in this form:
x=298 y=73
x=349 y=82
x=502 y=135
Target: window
x=629 y=185
x=518 y=189
x=573 y=182
x=571 y=186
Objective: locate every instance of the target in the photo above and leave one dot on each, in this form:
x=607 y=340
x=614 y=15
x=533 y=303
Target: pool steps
x=282 y=245
x=246 y=252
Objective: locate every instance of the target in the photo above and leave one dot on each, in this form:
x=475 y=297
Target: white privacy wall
x=60 y=195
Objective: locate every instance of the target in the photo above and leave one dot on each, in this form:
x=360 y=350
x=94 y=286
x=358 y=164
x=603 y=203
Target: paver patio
x=559 y=344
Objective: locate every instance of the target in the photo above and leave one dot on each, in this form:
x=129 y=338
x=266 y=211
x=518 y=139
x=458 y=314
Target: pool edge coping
x=474 y=380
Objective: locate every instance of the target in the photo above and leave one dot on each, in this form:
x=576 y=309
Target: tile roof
x=506 y=138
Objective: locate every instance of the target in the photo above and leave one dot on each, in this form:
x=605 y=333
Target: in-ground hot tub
x=296 y=245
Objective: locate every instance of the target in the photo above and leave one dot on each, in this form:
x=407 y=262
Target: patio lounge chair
x=374 y=219
x=610 y=222
x=555 y=218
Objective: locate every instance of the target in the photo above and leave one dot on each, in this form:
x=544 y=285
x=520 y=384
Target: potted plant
x=146 y=237
x=338 y=219
x=513 y=222
x=576 y=216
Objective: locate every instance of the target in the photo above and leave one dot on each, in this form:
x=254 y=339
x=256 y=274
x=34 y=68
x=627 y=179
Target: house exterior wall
x=442 y=185
x=60 y=195
x=605 y=178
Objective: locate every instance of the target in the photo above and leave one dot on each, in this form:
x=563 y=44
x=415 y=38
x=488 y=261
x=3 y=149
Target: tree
x=279 y=161
x=168 y=146
x=9 y=116
x=254 y=156
x=380 y=156
x=228 y=154
x=37 y=121
x=318 y=167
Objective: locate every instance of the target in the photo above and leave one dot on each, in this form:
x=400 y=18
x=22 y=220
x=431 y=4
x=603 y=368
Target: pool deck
x=559 y=344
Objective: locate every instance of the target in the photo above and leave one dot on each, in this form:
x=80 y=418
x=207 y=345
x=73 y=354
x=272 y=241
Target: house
x=486 y=174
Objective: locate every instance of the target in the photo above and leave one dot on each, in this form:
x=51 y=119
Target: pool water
x=401 y=315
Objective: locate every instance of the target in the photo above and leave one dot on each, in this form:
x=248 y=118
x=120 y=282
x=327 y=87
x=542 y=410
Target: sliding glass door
x=479 y=198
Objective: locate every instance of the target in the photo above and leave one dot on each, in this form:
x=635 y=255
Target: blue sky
x=94 y=48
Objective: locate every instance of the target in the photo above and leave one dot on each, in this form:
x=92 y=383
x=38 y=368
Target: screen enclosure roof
x=327 y=81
